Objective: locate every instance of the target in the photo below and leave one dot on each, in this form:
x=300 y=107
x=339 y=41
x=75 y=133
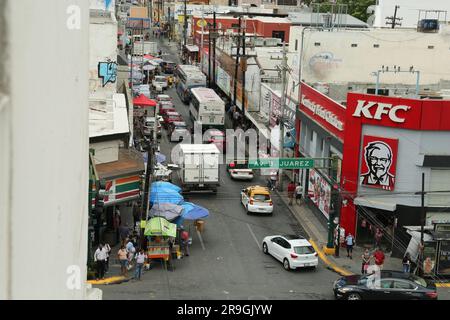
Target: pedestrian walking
x=131 y=250
x=185 y=242
x=140 y=261
x=124 y=231
x=123 y=258
x=378 y=237
x=291 y=192
x=379 y=258
x=406 y=262
x=349 y=241
x=100 y=260
x=365 y=261
x=298 y=194
x=108 y=252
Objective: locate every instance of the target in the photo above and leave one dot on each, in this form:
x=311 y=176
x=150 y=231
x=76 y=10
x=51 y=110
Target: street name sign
x=281 y=163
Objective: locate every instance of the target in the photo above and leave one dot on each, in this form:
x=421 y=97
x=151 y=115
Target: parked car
x=177 y=131
x=390 y=285
x=168 y=67
x=159 y=81
x=257 y=199
x=238 y=169
x=149 y=126
x=163 y=98
x=163 y=109
x=216 y=137
x=171 y=116
x=292 y=250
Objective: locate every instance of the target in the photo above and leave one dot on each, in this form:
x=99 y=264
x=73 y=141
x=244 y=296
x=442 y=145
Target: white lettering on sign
x=325 y=114
x=364 y=108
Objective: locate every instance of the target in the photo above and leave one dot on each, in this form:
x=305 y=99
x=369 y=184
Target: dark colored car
x=170 y=117
x=392 y=285
x=168 y=67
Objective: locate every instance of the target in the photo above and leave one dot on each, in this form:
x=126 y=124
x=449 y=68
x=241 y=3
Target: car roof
x=293 y=237
x=179 y=123
x=173 y=113
x=162 y=96
x=259 y=189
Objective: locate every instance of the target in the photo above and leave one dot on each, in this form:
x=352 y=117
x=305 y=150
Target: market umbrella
x=143 y=101
x=148 y=67
x=166 y=196
x=159 y=226
x=166 y=185
x=193 y=212
x=168 y=211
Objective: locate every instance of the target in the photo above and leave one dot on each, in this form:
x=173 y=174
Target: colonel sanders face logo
x=378 y=156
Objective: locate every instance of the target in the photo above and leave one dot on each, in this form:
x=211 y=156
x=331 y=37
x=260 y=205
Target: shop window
x=296 y=45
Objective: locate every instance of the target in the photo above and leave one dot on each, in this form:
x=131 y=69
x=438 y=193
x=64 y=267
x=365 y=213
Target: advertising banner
x=319 y=192
x=378 y=162
x=223 y=80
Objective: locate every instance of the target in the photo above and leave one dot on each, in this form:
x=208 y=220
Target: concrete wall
x=412 y=144
x=45 y=218
x=107 y=151
x=336 y=61
x=409 y=11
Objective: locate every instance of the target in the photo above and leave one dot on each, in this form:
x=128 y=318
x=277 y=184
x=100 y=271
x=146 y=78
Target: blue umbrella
x=193 y=212
x=166 y=196
x=158 y=185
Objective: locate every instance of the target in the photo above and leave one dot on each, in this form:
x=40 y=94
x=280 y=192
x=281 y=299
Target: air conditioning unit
x=428 y=25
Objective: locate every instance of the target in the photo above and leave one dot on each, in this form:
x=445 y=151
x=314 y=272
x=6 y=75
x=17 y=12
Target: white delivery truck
x=145 y=47
x=199 y=167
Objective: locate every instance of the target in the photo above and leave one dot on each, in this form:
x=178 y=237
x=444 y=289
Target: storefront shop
x=389 y=143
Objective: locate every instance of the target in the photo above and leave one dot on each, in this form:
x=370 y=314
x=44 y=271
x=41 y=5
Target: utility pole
x=185 y=23
x=209 y=57
x=214 y=50
x=236 y=69
x=201 y=41
x=422 y=224
x=393 y=20
x=148 y=172
x=283 y=69
x=243 y=69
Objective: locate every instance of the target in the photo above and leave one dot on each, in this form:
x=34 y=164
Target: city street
x=226 y=260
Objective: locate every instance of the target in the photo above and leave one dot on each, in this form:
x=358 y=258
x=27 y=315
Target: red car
x=216 y=137
x=171 y=116
x=163 y=109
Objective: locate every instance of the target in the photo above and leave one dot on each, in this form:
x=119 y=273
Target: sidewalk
x=318 y=235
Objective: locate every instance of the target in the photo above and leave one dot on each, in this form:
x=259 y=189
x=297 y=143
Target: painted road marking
x=254 y=237
x=201 y=240
x=329 y=264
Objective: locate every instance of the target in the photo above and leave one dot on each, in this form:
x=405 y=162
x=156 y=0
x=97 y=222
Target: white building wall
x=46 y=144
x=409 y=11
x=411 y=148
x=103 y=48
x=336 y=61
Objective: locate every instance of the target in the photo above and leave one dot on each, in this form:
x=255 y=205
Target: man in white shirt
x=298 y=193
x=140 y=260
x=100 y=257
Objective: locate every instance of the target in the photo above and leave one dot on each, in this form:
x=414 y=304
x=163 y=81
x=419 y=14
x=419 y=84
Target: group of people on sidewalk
x=295 y=191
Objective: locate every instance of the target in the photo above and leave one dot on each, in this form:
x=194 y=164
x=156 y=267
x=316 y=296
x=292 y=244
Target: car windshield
x=261 y=197
x=304 y=250
x=180 y=126
x=174 y=116
x=160 y=79
x=238 y=165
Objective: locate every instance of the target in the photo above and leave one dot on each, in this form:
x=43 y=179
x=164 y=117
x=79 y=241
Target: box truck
x=199 y=167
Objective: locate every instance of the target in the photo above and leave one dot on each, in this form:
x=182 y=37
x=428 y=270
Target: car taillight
x=232 y=165
x=235 y=172
x=270 y=203
x=251 y=201
x=432 y=295
x=315 y=254
x=293 y=255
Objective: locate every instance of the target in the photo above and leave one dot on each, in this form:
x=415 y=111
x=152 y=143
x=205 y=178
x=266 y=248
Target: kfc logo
x=367 y=108
x=378 y=163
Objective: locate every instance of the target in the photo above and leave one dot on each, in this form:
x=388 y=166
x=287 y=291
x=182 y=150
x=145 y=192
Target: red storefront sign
x=364 y=109
x=323 y=110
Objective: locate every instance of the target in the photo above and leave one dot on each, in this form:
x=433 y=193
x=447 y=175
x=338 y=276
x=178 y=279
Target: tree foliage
x=356 y=8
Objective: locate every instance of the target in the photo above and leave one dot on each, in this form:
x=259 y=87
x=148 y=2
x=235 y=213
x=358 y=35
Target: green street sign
x=283 y=163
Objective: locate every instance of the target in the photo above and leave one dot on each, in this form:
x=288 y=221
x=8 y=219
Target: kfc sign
x=378 y=163
x=376 y=110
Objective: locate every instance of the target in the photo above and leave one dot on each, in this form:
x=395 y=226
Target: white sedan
x=293 y=251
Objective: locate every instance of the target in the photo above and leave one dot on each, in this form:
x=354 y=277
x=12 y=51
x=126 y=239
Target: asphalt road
x=226 y=260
